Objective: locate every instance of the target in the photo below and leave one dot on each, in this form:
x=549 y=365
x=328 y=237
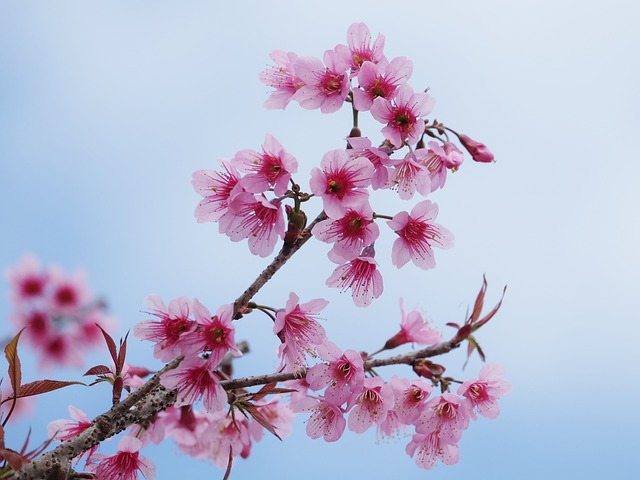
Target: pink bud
x=478 y=151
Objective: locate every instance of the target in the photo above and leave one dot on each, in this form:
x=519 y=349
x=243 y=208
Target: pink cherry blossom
x=341 y=182
x=170 y=330
x=224 y=435
x=64 y=429
x=349 y=234
x=437 y=159
x=277 y=413
x=27 y=279
x=282 y=77
x=361 y=275
x=378 y=81
x=195 y=380
x=413 y=329
x=300 y=331
x=483 y=394
x=67 y=293
x=359 y=49
x=124 y=465
x=448 y=414
x=327 y=421
x=325 y=85
x=371 y=406
x=257 y=219
x=217 y=188
x=270 y=169
x=409 y=175
x=379 y=158
x=214 y=335
x=431 y=447
x=410 y=398
x=343 y=375
x=418 y=234
x=403 y=115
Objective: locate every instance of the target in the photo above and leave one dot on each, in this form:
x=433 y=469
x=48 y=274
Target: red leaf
x=122 y=354
x=111 y=344
x=260 y=394
x=13 y=458
x=490 y=315
x=98 y=370
x=43 y=386
x=261 y=419
x=477 y=308
x=15 y=370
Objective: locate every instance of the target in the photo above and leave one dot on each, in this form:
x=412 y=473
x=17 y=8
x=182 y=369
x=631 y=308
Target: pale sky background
x=106 y=108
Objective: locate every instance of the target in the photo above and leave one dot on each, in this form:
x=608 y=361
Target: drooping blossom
x=403 y=115
x=217 y=188
x=327 y=421
x=379 y=158
x=438 y=159
x=343 y=375
x=325 y=85
x=258 y=220
x=430 y=447
x=447 y=414
x=195 y=380
x=170 y=330
x=482 y=395
x=341 y=182
x=409 y=175
x=380 y=81
x=417 y=235
x=349 y=234
x=123 y=465
x=359 y=49
x=277 y=414
x=299 y=331
x=281 y=76
x=223 y=436
x=361 y=275
x=410 y=398
x=413 y=329
x=214 y=335
x=479 y=151
x=271 y=168
x=370 y=407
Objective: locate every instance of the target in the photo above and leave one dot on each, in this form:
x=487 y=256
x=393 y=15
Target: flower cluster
x=57 y=310
x=255 y=197
x=358 y=74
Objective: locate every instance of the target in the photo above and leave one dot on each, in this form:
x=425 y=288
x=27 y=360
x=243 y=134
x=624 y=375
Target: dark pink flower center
x=331 y=83
x=66 y=296
x=32 y=287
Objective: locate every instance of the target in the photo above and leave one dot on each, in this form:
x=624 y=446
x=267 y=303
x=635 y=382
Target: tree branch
x=152 y=398
x=285 y=253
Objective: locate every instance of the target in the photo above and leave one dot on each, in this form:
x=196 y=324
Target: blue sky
x=107 y=108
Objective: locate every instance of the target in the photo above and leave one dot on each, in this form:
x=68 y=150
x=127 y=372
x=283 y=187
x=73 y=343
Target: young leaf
x=261 y=419
x=15 y=369
x=98 y=370
x=43 y=386
x=111 y=344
